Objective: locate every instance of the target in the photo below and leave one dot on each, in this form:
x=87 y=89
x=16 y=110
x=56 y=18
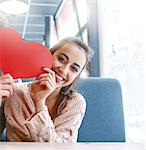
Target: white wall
x=122 y=27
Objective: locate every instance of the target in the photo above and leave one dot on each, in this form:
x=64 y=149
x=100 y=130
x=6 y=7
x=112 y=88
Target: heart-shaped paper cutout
x=22 y=59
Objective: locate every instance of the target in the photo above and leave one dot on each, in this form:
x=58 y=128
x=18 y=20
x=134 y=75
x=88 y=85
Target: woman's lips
x=58 y=77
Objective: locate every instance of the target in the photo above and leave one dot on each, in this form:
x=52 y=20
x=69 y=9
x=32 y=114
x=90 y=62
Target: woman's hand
x=6 y=85
x=45 y=85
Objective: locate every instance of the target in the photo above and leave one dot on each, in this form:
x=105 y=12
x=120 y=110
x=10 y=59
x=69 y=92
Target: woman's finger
x=5 y=93
x=50 y=74
x=6 y=79
x=6 y=76
x=48 y=81
x=42 y=76
x=49 y=71
x=7 y=87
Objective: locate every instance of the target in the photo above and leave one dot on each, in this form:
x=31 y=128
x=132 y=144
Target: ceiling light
x=13 y=7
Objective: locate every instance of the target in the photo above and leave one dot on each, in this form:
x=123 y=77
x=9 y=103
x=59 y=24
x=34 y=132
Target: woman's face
x=68 y=61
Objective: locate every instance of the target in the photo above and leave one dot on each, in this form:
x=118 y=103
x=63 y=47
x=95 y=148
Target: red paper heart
x=22 y=59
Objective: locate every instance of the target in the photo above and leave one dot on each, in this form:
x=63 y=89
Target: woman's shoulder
x=78 y=98
x=76 y=102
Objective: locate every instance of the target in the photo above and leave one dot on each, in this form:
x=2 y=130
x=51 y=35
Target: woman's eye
x=61 y=59
x=74 y=69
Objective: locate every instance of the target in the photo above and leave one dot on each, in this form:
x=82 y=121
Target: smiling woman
x=48 y=109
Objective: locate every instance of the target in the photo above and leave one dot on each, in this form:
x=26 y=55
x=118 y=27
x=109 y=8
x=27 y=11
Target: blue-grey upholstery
x=104 y=119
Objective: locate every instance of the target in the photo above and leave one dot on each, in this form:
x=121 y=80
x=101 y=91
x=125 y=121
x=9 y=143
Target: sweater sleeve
x=63 y=129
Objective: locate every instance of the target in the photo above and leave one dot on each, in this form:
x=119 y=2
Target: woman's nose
x=64 y=69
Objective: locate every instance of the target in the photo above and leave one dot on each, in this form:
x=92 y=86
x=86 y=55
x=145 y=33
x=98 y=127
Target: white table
x=78 y=146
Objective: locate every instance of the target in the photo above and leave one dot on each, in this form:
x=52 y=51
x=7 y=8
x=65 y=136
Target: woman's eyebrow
x=68 y=59
x=77 y=65
x=64 y=55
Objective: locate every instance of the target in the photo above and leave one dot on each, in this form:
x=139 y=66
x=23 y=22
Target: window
x=123 y=34
x=66 y=21
x=82 y=11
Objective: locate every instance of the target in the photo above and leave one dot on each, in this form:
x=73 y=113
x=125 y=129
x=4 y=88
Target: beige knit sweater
x=23 y=125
